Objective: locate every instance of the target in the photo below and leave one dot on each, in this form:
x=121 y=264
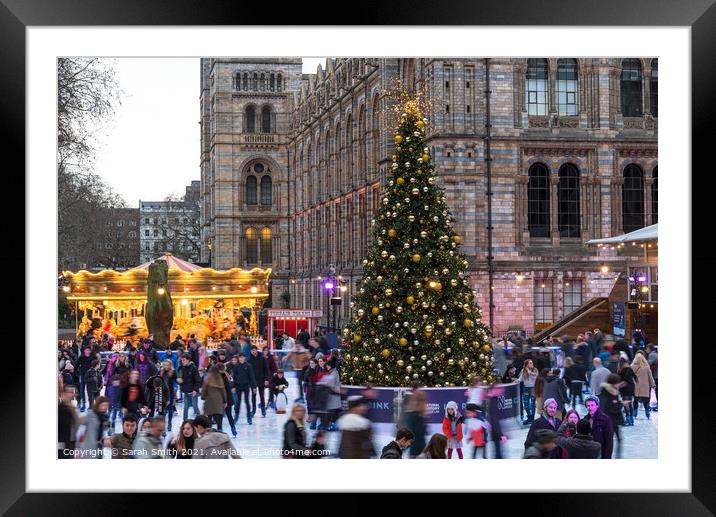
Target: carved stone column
x=648 y=184
x=554 y=228
x=584 y=185
x=646 y=89
x=552 y=88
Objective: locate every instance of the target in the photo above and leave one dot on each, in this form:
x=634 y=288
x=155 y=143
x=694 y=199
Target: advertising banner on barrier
x=384 y=408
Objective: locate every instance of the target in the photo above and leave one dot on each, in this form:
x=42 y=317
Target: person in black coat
x=67 y=423
x=84 y=363
x=244 y=382
x=189 y=381
x=262 y=376
x=547 y=420
x=303 y=337
x=621 y=346
x=575 y=375
x=611 y=405
x=602 y=427
x=626 y=389
x=294 y=434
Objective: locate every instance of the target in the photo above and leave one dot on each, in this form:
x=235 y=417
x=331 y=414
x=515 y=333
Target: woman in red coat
x=452 y=429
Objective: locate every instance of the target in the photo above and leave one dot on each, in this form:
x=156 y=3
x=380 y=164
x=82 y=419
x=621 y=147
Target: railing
x=261 y=138
x=569 y=319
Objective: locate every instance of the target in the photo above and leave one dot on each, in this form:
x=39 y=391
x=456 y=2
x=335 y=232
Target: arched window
x=266 y=246
x=272 y=82
x=279 y=82
x=538 y=201
x=252 y=246
x=361 y=143
x=633 y=198
x=266 y=194
x=246 y=82
x=262 y=82
x=255 y=85
x=536 y=87
x=568 y=201
x=567 y=86
x=655 y=197
x=250 y=119
x=654 y=88
x=631 y=88
x=266 y=119
x=251 y=190
x=376 y=133
x=349 y=148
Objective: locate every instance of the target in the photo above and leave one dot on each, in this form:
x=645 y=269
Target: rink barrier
x=389 y=401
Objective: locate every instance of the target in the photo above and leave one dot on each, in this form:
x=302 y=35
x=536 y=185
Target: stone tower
x=245 y=106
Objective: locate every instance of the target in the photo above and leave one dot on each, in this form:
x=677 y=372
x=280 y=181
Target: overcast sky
x=151 y=148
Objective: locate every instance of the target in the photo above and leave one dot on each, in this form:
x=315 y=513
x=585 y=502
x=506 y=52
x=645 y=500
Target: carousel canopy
x=173 y=263
x=650 y=233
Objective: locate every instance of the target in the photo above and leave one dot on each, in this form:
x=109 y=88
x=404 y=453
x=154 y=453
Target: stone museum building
x=536 y=156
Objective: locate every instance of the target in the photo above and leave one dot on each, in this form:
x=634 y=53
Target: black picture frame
x=700 y=15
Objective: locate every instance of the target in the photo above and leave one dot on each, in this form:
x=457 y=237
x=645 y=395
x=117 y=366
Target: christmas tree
x=415 y=318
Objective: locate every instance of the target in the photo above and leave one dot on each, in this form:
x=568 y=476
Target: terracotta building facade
x=292 y=167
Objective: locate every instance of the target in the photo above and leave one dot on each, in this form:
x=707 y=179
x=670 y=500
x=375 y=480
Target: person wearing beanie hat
x=356 y=431
x=602 y=427
x=548 y=420
x=544 y=446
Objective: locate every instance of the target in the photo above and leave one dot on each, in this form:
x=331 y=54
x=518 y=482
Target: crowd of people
x=610 y=377
x=143 y=387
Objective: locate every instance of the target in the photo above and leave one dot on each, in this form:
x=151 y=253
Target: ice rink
x=264 y=437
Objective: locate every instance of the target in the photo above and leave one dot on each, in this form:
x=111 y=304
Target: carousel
x=208 y=303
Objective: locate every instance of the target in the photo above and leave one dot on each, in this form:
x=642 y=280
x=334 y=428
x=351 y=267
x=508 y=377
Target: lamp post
x=636 y=294
x=329 y=284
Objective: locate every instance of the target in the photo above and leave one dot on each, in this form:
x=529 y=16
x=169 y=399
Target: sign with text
x=619 y=322
x=293 y=313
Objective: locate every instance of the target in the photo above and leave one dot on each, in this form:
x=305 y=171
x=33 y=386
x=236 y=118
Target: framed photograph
x=334 y=242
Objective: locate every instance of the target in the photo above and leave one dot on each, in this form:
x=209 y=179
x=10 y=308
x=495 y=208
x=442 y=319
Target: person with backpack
x=626 y=389
x=93 y=381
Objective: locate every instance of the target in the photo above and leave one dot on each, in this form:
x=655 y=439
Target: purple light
x=328 y=284
x=631 y=279
x=642 y=279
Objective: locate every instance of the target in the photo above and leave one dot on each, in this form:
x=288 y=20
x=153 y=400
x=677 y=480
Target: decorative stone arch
x=275 y=169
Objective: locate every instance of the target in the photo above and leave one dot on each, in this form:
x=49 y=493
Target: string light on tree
x=421 y=316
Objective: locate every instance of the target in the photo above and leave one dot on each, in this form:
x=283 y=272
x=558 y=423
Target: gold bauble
x=398 y=139
x=420 y=124
x=375 y=311
x=400 y=181
x=425 y=157
x=402 y=341
x=438 y=286
x=410 y=300
x=385 y=352
x=486 y=348
x=356 y=338
x=456 y=239
x=416 y=258
x=392 y=232
x=467 y=323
